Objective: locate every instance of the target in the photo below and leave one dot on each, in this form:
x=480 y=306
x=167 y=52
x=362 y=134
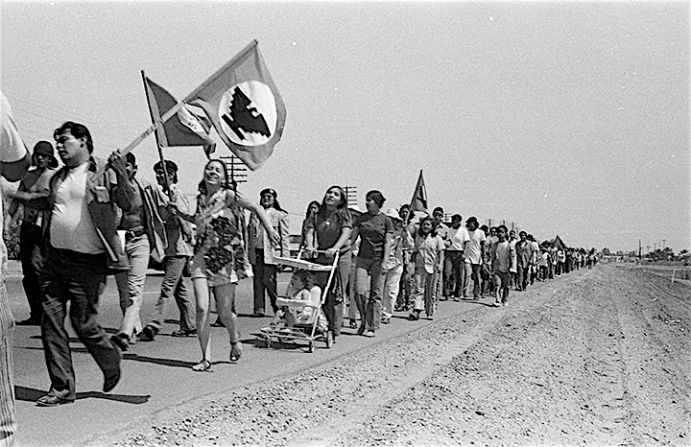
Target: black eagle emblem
x=242 y=117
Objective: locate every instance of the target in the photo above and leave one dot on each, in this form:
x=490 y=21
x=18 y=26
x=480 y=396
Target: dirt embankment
x=596 y=357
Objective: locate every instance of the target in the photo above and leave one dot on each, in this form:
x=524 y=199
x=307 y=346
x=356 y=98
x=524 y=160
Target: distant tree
x=606 y=251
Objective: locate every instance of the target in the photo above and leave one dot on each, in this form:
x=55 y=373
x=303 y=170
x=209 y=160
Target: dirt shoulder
x=595 y=357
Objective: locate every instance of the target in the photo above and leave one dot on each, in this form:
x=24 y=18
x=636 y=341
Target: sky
x=568 y=118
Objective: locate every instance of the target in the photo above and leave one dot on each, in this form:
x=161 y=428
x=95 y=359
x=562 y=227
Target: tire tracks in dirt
x=566 y=363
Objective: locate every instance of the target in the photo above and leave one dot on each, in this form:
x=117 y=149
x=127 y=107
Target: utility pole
x=351 y=195
x=639 y=249
x=235 y=168
x=663 y=244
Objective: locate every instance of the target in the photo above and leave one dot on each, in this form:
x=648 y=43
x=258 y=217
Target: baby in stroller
x=304 y=305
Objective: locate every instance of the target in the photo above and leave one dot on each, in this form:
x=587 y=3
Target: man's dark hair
x=456 y=218
x=438 y=210
x=78 y=131
x=506 y=230
x=130 y=158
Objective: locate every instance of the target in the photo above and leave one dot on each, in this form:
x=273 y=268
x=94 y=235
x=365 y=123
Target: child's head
x=302 y=279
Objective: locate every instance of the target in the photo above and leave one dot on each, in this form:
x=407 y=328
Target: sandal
x=352 y=324
x=235 y=351
x=203 y=366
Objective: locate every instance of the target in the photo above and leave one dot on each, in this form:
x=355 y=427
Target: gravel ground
x=596 y=357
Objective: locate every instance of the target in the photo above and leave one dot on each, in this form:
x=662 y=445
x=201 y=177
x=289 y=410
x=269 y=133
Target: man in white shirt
x=453 y=258
x=473 y=256
x=83 y=247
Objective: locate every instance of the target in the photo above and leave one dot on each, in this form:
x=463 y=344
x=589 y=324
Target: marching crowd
x=82 y=222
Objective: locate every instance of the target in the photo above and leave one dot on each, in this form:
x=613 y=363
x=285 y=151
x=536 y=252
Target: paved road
x=157 y=375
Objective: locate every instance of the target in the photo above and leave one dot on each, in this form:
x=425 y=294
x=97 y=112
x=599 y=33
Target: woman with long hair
x=375 y=231
x=263 y=253
x=312 y=209
x=428 y=260
x=220 y=259
x=331 y=227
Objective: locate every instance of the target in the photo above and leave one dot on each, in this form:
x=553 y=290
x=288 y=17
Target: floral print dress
x=220 y=252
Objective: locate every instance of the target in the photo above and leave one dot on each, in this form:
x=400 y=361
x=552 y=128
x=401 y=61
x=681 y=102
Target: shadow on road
x=32 y=394
x=158 y=361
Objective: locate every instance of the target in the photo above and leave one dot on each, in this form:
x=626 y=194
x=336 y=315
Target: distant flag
x=244 y=106
x=186 y=128
x=419 y=200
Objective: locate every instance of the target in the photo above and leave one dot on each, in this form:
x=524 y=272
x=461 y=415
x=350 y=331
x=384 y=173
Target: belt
x=131 y=234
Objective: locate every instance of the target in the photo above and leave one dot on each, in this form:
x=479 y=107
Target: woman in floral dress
x=220 y=256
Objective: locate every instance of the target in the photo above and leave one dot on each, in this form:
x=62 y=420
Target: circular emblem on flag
x=248 y=113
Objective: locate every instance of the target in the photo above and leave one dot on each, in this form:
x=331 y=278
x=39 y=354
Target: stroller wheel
x=329 y=339
x=310 y=348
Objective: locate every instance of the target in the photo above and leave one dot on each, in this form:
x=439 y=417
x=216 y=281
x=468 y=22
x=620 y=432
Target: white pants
x=392 y=282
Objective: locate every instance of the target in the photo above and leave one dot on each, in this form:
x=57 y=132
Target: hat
x=392 y=213
x=170 y=166
x=268 y=191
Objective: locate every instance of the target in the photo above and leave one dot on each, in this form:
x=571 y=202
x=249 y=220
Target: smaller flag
x=244 y=106
x=186 y=128
x=419 y=200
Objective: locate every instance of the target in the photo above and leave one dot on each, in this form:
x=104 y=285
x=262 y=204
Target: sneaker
x=386 y=319
x=369 y=334
x=456 y=299
x=184 y=333
x=51 y=400
x=497 y=304
x=505 y=303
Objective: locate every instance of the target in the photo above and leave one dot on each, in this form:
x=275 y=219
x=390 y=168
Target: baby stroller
x=302 y=331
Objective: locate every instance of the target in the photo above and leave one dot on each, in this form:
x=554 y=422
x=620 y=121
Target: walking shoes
x=52 y=400
x=111 y=380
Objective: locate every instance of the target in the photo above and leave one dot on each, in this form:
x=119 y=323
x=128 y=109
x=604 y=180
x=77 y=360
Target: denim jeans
x=76 y=278
x=131 y=284
x=31 y=257
x=369 y=270
x=334 y=301
x=424 y=291
x=173 y=286
x=453 y=274
x=472 y=274
x=264 y=281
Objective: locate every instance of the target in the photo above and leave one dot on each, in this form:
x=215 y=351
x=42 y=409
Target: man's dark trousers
x=78 y=278
x=31 y=257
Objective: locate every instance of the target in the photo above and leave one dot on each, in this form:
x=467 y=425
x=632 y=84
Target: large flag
x=244 y=106
x=186 y=128
x=419 y=200
x=12 y=147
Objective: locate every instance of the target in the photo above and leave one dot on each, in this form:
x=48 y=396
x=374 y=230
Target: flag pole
x=166 y=187
x=169 y=114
